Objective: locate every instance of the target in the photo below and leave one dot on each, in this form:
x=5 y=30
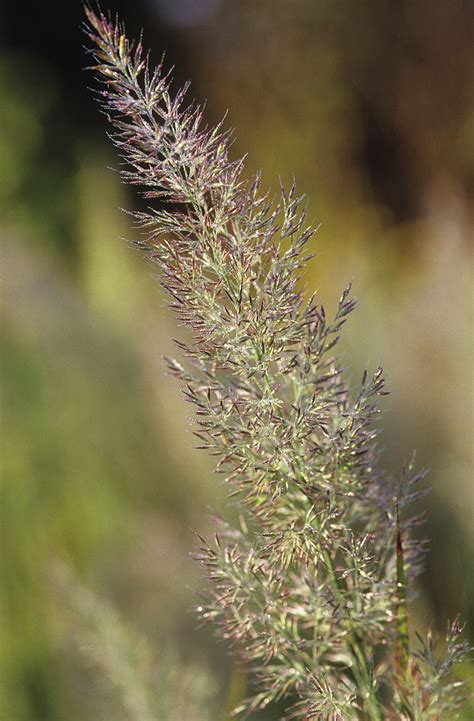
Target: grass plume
x=310 y=588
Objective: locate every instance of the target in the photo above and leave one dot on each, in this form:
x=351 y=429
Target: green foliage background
x=369 y=107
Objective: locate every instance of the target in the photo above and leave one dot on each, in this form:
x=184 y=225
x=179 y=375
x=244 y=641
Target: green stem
x=402 y=649
x=361 y=669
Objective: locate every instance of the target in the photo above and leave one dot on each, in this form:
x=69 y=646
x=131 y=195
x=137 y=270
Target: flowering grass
x=311 y=588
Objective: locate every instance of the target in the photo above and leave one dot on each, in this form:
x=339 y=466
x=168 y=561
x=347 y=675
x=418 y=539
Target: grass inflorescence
x=311 y=587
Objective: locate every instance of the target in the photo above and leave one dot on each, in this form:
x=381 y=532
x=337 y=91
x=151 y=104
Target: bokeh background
x=370 y=105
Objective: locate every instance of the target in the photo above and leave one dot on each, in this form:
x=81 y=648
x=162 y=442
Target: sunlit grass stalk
x=310 y=589
x=403 y=646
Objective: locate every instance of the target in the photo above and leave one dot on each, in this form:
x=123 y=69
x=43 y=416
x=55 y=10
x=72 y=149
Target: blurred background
x=370 y=105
